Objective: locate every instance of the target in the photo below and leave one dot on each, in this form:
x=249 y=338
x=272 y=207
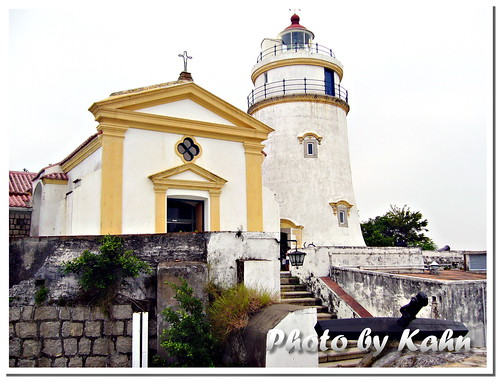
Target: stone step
x=285 y=274
x=346 y=354
x=295 y=294
x=302 y=301
x=351 y=363
x=291 y=280
x=293 y=287
x=324 y=316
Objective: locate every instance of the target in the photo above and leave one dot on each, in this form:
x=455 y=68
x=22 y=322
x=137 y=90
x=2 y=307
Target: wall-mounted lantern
x=296 y=258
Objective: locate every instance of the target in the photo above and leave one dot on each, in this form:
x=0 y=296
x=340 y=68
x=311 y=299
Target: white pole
x=136 y=340
x=144 y=341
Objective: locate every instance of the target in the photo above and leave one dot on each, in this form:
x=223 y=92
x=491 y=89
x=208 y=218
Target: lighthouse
x=297 y=92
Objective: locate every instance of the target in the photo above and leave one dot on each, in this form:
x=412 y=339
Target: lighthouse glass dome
x=294 y=39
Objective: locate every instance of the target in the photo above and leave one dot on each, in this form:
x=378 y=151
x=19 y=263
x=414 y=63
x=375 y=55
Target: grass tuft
x=231 y=308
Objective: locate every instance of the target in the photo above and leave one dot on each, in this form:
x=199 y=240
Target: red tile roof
x=20 y=188
x=56 y=176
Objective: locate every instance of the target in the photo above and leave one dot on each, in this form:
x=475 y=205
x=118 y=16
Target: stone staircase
x=292 y=292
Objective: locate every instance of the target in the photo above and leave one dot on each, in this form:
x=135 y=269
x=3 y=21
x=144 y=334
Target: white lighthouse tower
x=297 y=92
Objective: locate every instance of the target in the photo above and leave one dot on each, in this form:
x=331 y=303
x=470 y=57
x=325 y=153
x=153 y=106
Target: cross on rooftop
x=185 y=57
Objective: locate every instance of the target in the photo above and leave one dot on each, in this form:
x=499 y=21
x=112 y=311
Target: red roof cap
x=295 y=22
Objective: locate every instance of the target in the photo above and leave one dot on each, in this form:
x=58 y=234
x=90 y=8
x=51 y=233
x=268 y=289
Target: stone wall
x=19 y=223
x=54 y=336
x=198 y=257
x=451 y=258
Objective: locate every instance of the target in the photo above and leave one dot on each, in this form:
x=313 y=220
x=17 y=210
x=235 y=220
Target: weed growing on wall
x=101 y=274
x=188 y=340
x=41 y=294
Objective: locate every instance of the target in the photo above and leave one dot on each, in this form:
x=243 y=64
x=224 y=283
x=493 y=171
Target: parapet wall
x=383 y=294
x=319 y=260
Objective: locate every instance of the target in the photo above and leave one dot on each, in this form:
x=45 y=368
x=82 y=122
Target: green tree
x=188 y=340
x=398 y=227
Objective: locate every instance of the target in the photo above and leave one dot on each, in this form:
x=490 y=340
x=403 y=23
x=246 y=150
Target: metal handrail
x=295 y=47
x=296 y=86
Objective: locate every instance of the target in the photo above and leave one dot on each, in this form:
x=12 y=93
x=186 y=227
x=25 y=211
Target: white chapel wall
x=227 y=160
x=150 y=152
x=83 y=204
x=144 y=153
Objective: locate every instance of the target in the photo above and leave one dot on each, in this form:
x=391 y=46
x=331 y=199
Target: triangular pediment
x=188 y=176
x=156 y=108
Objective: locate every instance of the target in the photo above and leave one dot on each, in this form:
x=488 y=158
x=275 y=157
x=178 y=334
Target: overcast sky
x=418 y=75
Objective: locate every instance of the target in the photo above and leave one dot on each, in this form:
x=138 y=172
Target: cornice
x=299 y=98
x=133 y=119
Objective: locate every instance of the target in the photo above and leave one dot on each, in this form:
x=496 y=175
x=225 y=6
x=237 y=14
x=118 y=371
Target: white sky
x=418 y=75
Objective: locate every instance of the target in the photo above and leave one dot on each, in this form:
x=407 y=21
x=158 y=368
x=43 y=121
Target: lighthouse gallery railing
x=296 y=86
x=295 y=47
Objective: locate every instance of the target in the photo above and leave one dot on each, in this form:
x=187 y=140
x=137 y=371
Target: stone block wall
x=54 y=336
x=19 y=223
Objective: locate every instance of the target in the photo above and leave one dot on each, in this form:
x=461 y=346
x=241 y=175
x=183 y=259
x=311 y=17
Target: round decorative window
x=188 y=149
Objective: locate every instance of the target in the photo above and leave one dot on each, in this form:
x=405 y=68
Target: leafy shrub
x=101 y=274
x=188 y=340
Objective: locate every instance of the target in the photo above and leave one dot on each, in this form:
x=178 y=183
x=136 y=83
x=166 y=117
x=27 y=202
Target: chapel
x=171 y=157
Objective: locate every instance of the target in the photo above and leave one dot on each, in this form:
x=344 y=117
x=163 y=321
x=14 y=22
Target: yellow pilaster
x=161 y=210
x=214 y=209
x=253 y=158
x=111 y=178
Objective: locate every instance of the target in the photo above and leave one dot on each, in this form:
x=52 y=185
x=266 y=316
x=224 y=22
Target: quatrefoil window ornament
x=188 y=149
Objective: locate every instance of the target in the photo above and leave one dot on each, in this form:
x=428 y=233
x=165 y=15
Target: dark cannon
x=394 y=327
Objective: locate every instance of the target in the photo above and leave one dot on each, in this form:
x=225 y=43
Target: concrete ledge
x=250 y=347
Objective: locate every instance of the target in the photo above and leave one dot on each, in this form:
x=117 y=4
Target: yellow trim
x=214 y=209
x=182 y=156
x=162 y=182
x=81 y=155
x=297 y=61
x=111 y=140
x=334 y=206
x=307 y=134
x=253 y=160
x=161 y=123
x=54 y=181
x=161 y=210
x=317 y=98
x=176 y=92
x=296 y=230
